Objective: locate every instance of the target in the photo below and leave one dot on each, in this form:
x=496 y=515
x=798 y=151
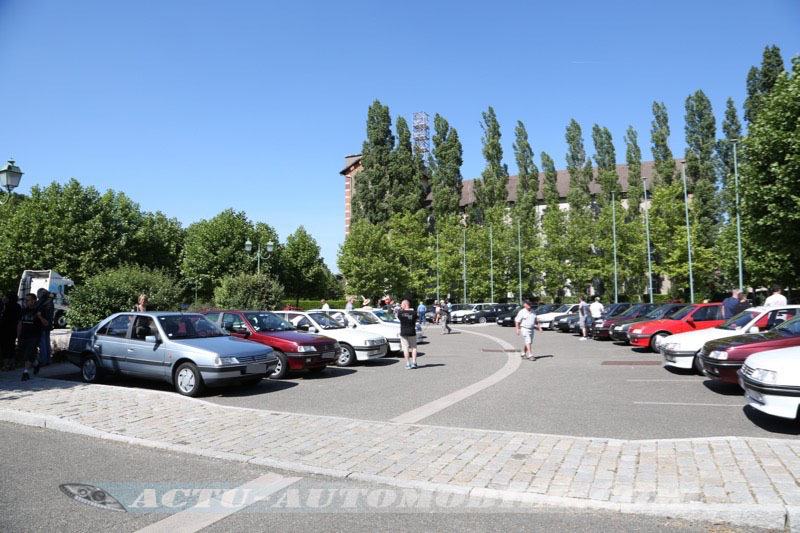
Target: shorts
x=408 y=343
x=527 y=335
x=27 y=348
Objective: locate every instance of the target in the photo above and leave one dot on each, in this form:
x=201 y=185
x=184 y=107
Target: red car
x=722 y=358
x=690 y=318
x=295 y=350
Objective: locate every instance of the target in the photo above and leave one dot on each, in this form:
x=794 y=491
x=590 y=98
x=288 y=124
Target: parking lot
x=591 y=389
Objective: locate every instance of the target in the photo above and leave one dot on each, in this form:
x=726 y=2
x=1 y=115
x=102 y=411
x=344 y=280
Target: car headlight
x=637 y=330
x=618 y=328
x=375 y=342
x=337 y=346
x=219 y=361
x=600 y=323
x=718 y=354
x=765 y=376
x=306 y=349
x=669 y=345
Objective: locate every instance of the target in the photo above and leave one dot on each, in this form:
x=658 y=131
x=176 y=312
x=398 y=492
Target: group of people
x=29 y=328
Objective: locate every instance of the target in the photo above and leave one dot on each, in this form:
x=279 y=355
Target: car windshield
x=189 y=327
x=326 y=321
x=365 y=318
x=739 y=321
x=661 y=312
x=790 y=327
x=561 y=308
x=681 y=313
x=384 y=316
x=266 y=321
x=545 y=309
x=629 y=312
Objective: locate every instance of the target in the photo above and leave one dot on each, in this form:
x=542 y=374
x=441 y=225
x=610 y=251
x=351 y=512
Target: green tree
x=304 y=271
x=365 y=260
x=700 y=166
x=761 y=81
x=732 y=129
x=158 y=242
x=606 y=159
x=446 y=165
x=257 y=292
x=413 y=273
x=527 y=174
x=556 y=249
x=633 y=158
x=770 y=188
x=663 y=160
x=373 y=185
x=406 y=172
x=579 y=235
x=490 y=190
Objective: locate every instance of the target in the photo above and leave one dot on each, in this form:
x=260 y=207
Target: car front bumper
x=305 y=360
x=639 y=339
x=776 y=400
x=225 y=374
x=366 y=353
x=678 y=359
x=619 y=335
x=722 y=370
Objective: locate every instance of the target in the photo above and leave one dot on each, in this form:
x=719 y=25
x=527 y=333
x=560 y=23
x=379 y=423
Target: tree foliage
x=304 y=273
x=700 y=165
x=446 y=165
x=257 y=292
x=372 y=186
x=365 y=260
x=406 y=171
x=527 y=174
x=664 y=161
x=490 y=190
x=760 y=82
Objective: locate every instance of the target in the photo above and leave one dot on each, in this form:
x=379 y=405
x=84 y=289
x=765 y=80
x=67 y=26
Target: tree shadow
x=723 y=388
x=770 y=423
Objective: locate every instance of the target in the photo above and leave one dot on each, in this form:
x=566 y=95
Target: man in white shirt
x=776 y=299
x=349 y=305
x=325 y=306
x=525 y=321
x=596 y=308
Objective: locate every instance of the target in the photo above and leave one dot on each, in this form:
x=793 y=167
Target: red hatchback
x=295 y=350
x=690 y=318
x=722 y=358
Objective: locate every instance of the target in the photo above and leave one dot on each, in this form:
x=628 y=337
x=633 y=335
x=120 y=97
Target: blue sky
x=191 y=107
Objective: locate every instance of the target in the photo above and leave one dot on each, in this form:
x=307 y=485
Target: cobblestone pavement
x=758 y=474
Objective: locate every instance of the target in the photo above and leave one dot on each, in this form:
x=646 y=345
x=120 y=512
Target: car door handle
x=97 y=346
x=130 y=350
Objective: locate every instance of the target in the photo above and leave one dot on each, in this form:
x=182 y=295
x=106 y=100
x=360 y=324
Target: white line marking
x=200 y=516
x=424 y=411
x=695 y=404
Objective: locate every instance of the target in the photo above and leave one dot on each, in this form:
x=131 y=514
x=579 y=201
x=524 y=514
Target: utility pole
x=491 y=263
x=647 y=228
x=519 y=260
x=614 y=226
x=688 y=231
x=437 y=268
x=738 y=215
x=465 y=265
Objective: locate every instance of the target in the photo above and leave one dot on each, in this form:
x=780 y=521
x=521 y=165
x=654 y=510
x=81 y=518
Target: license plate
x=256 y=368
x=329 y=355
x=755 y=396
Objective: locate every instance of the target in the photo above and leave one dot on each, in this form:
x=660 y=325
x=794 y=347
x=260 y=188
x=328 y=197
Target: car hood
x=220 y=346
x=295 y=336
x=749 y=338
x=550 y=316
x=784 y=361
x=694 y=340
x=663 y=323
x=629 y=321
x=390 y=332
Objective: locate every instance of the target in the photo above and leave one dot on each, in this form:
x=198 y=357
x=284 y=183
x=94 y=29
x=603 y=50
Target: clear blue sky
x=191 y=107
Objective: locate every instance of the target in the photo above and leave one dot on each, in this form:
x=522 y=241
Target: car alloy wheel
x=654 y=339
x=89 y=370
x=482 y=320
x=188 y=380
x=347 y=356
x=282 y=368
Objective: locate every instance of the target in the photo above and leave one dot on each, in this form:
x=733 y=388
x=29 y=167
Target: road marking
x=200 y=517
x=424 y=411
x=694 y=404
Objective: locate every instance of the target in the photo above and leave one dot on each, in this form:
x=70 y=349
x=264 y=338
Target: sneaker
x=408 y=367
x=584 y=339
x=25 y=376
x=36 y=368
x=414 y=365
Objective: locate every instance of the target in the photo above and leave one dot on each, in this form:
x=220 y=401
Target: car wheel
x=282 y=368
x=90 y=370
x=347 y=357
x=188 y=380
x=698 y=364
x=655 y=337
x=252 y=382
x=61 y=321
x=482 y=320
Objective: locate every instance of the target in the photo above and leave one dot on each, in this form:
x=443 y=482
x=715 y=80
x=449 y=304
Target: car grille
x=260 y=358
x=747 y=371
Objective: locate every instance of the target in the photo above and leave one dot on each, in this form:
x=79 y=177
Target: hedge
x=314 y=304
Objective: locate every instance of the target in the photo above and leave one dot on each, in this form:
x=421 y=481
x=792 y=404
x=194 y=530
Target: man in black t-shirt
x=408 y=332
x=29 y=334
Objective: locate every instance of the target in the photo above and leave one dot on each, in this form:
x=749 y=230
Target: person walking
x=729 y=304
x=349 y=305
x=525 y=322
x=421 y=310
x=741 y=304
x=325 y=306
x=777 y=299
x=29 y=334
x=584 y=315
x=444 y=317
x=45 y=305
x=9 y=321
x=141 y=304
x=408 y=333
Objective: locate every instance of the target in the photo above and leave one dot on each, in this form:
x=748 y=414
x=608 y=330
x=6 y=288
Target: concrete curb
x=764 y=516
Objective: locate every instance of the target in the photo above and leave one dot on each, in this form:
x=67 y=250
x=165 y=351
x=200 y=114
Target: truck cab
x=52 y=281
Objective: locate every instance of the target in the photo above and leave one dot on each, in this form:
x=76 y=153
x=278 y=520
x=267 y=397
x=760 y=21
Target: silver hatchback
x=184 y=349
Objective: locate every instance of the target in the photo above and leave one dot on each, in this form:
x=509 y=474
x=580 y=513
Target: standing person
x=349 y=305
x=525 y=321
x=29 y=333
x=729 y=304
x=9 y=321
x=777 y=298
x=437 y=310
x=742 y=304
x=141 y=304
x=408 y=332
x=444 y=314
x=325 y=306
x=584 y=315
x=365 y=305
x=45 y=305
x=597 y=309
x=421 y=310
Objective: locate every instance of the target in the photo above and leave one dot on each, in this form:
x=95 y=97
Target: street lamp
x=738 y=214
x=248 y=247
x=10 y=176
x=688 y=231
x=614 y=230
x=647 y=229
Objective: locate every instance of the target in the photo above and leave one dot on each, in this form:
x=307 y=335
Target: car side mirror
x=303 y=327
x=312 y=329
x=151 y=338
x=690 y=320
x=753 y=329
x=241 y=331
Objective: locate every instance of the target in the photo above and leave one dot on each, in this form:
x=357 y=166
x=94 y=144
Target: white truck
x=33 y=280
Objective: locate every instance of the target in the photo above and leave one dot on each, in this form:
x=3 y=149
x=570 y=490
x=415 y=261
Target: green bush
x=314 y=304
x=117 y=290
x=248 y=291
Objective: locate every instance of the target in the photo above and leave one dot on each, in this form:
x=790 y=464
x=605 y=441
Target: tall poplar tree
x=606 y=159
x=701 y=133
x=490 y=190
x=761 y=81
x=373 y=185
x=528 y=174
x=446 y=163
x=633 y=158
x=406 y=195
x=556 y=251
x=664 y=161
x=728 y=246
x=579 y=233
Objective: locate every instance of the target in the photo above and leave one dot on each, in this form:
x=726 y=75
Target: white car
x=771 y=381
x=546 y=319
x=356 y=344
x=362 y=319
x=458 y=316
x=387 y=318
x=682 y=349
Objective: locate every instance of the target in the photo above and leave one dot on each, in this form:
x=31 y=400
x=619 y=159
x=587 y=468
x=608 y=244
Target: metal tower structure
x=420 y=122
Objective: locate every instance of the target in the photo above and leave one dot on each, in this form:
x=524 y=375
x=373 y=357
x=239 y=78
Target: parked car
x=356 y=345
x=771 y=381
x=546 y=319
x=721 y=359
x=491 y=314
x=507 y=318
x=365 y=320
x=692 y=317
x=682 y=350
x=388 y=318
x=602 y=329
x=564 y=323
x=457 y=316
x=622 y=329
x=611 y=311
x=294 y=349
x=185 y=350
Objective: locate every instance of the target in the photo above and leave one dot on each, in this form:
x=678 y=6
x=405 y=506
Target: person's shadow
x=537 y=357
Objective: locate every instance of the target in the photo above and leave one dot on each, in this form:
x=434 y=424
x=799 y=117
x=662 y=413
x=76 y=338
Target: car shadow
x=680 y=371
x=770 y=423
x=620 y=343
x=237 y=391
x=328 y=373
x=641 y=349
x=722 y=387
x=383 y=361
